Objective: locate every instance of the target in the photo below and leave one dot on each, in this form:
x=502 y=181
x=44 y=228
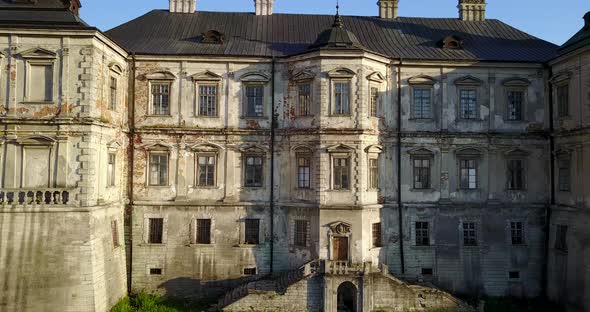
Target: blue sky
x=555 y=21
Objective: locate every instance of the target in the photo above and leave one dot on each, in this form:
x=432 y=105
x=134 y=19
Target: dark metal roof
x=337 y=37
x=163 y=33
x=580 y=39
x=40 y=13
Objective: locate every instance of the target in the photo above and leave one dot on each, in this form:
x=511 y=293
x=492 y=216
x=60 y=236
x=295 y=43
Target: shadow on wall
x=190 y=288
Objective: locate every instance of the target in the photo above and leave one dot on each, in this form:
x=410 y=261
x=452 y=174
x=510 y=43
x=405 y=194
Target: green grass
x=145 y=302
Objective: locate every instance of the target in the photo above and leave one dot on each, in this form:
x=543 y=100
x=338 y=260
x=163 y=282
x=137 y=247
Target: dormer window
x=451 y=42
x=213 y=37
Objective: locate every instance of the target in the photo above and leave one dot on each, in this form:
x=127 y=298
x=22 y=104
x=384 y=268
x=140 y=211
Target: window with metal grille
x=156 y=230
x=158 y=169
x=342 y=98
x=517 y=233
x=304 y=99
x=515 y=104
x=203 y=231
x=113 y=94
x=468 y=103
x=208 y=100
x=253 y=171
x=341 y=173
x=252 y=232
x=115 y=233
x=422 y=234
x=421 y=173
x=422 y=103
x=303 y=171
x=561 y=237
x=563 y=100
x=373 y=173
x=377 y=235
x=160 y=98
x=515 y=174
x=254 y=101
x=374 y=102
x=469 y=234
x=111 y=169
x=249 y=271
x=206 y=170
x=155 y=271
x=564 y=174
x=468 y=174
x=300 y=233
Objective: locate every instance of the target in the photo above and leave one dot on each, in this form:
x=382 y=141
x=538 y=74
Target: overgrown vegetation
x=145 y=302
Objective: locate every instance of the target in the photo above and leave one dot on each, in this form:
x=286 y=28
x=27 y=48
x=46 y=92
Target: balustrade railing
x=340 y=267
x=35 y=196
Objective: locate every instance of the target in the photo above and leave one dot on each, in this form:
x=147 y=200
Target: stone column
x=181 y=172
x=445 y=159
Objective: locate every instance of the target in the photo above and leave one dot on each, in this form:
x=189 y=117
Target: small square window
x=155 y=271
x=249 y=271
x=514 y=274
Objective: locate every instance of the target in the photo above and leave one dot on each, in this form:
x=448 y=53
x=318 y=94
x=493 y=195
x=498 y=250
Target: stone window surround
x=146 y=227
x=373 y=152
x=558 y=80
x=40 y=57
x=113 y=148
x=469 y=153
x=160 y=77
x=253 y=150
x=115 y=72
x=422 y=82
x=564 y=155
x=341 y=151
x=293 y=224
x=375 y=80
x=255 y=79
x=193 y=229
x=208 y=149
x=422 y=153
x=341 y=75
x=242 y=230
x=412 y=234
x=519 y=85
x=38 y=142
x=524 y=232
x=469 y=83
x=302 y=78
x=517 y=154
x=207 y=78
x=157 y=149
x=478 y=238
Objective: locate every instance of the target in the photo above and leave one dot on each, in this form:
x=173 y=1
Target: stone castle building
x=290 y=162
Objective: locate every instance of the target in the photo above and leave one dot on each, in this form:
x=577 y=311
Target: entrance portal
x=340 y=248
x=347 y=297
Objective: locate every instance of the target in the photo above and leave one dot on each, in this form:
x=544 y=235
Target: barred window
x=249 y=271
x=304 y=99
x=253 y=171
x=515 y=104
x=203 y=231
x=422 y=103
x=469 y=234
x=373 y=173
x=115 y=233
x=422 y=173
x=254 y=101
x=206 y=170
x=564 y=174
x=468 y=174
x=376 y=227
x=422 y=234
x=303 y=171
x=563 y=100
x=111 y=165
x=160 y=98
x=341 y=172
x=252 y=232
x=342 y=98
x=113 y=94
x=468 y=103
x=156 y=230
x=561 y=237
x=158 y=169
x=300 y=232
x=374 y=102
x=517 y=233
x=208 y=100
x=515 y=174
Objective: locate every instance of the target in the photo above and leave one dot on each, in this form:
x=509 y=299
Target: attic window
x=212 y=36
x=451 y=42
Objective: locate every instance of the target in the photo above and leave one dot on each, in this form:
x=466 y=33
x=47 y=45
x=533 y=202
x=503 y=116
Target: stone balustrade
x=340 y=267
x=36 y=196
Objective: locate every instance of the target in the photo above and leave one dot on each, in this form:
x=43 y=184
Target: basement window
x=426 y=271
x=156 y=271
x=249 y=271
x=514 y=275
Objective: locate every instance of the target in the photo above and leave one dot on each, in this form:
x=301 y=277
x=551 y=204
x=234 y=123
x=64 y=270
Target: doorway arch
x=347 y=298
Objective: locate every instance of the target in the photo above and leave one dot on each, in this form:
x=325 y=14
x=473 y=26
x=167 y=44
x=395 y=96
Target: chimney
x=388 y=8
x=182 y=6
x=263 y=7
x=472 y=10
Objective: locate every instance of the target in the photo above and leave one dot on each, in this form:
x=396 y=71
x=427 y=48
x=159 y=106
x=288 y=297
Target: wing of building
x=288 y=161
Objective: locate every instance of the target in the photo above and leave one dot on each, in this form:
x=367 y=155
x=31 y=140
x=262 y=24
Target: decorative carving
x=340 y=228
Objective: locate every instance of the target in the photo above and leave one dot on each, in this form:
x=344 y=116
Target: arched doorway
x=347 y=300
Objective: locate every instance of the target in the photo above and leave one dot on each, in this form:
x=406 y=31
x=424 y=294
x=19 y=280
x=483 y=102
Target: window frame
x=111 y=169
x=245 y=170
x=334 y=82
x=561 y=159
x=561 y=238
x=467 y=157
x=198 y=156
x=149 y=168
x=374 y=100
x=522 y=108
x=208 y=239
x=563 y=109
x=517 y=239
x=430 y=90
x=251 y=222
x=376 y=235
x=373 y=173
x=509 y=172
x=306 y=156
x=246 y=101
x=421 y=158
x=151 y=236
x=151 y=108
x=301 y=239
x=348 y=159
x=475 y=91
x=113 y=93
x=424 y=238
x=470 y=235
x=308 y=100
x=207 y=84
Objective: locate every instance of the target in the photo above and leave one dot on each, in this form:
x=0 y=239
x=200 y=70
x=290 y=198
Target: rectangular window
x=561 y=237
x=422 y=103
x=514 y=275
x=111 y=177
x=468 y=103
x=253 y=171
x=206 y=170
x=301 y=228
x=303 y=172
x=156 y=230
x=160 y=98
x=252 y=232
x=374 y=102
x=517 y=233
x=208 y=100
x=377 y=235
x=158 y=169
x=249 y=271
x=515 y=104
x=113 y=94
x=155 y=271
x=373 y=173
x=254 y=101
x=469 y=234
x=115 y=233
x=41 y=83
x=468 y=174
x=422 y=234
x=421 y=173
x=515 y=174
x=203 y=231
x=341 y=172
x=564 y=175
x=304 y=108
x=342 y=98
x=427 y=271
x=563 y=100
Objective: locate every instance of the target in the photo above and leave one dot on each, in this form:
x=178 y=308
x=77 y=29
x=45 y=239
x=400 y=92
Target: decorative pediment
x=516 y=153
x=253 y=148
x=255 y=77
x=341 y=73
x=339 y=148
x=469 y=151
x=421 y=80
x=421 y=151
x=561 y=77
x=38 y=53
x=303 y=75
x=302 y=148
x=516 y=82
x=374 y=149
x=468 y=81
x=161 y=75
x=340 y=228
x=158 y=147
x=39 y=140
x=116 y=68
x=376 y=77
x=451 y=42
x=206 y=76
x=206 y=147
x=114 y=145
